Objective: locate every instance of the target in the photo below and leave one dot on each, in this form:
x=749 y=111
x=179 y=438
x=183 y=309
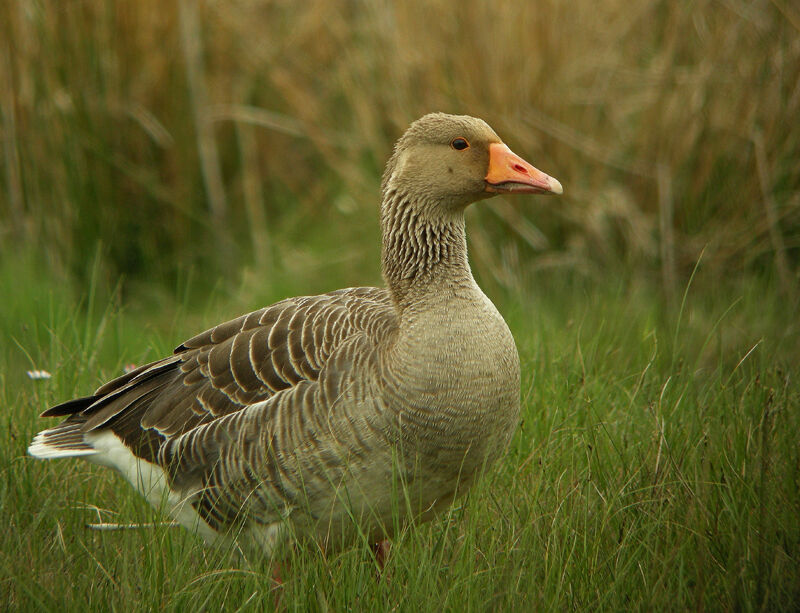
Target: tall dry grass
x=183 y=133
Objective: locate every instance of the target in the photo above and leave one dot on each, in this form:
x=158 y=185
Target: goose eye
x=459 y=144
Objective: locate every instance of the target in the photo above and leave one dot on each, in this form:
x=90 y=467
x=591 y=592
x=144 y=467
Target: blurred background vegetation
x=239 y=143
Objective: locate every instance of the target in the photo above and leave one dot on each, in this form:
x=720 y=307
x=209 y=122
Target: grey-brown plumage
x=307 y=418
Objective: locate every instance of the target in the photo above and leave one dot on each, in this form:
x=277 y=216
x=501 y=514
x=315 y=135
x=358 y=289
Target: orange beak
x=510 y=173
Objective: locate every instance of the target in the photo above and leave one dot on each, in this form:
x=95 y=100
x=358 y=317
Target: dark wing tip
x=70 y=407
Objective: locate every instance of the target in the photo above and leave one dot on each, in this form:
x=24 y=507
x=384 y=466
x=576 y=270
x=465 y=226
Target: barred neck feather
x=421 y=246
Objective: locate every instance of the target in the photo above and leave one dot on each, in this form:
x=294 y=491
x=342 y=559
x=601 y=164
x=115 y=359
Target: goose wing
x=225 y=369
x=290 y=451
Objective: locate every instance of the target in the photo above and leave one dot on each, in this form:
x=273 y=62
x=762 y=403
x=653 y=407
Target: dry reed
x=673 y=127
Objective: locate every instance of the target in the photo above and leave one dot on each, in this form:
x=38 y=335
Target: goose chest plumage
x=305 y=418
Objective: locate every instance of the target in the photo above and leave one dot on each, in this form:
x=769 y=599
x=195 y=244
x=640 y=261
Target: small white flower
x=38 y=374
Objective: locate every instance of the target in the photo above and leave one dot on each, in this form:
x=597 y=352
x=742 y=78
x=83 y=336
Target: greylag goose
x=305 y=418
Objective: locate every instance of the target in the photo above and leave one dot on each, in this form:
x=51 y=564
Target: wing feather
x=234 y=365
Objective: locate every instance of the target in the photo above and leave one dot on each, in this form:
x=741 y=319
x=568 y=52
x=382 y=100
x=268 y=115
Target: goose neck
x=424 y=251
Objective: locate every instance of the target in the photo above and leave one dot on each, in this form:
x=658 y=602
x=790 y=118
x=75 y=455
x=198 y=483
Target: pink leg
x=278 y=569
x=381 y=552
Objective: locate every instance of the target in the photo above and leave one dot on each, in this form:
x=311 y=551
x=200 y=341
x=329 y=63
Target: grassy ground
x=657 y=465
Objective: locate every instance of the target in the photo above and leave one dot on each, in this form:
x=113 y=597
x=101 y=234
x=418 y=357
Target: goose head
x=446 y=162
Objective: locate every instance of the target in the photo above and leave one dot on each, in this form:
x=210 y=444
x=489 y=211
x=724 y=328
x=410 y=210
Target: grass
x=656 y=466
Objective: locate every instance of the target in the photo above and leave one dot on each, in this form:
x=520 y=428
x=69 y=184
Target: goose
x=342 y=415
